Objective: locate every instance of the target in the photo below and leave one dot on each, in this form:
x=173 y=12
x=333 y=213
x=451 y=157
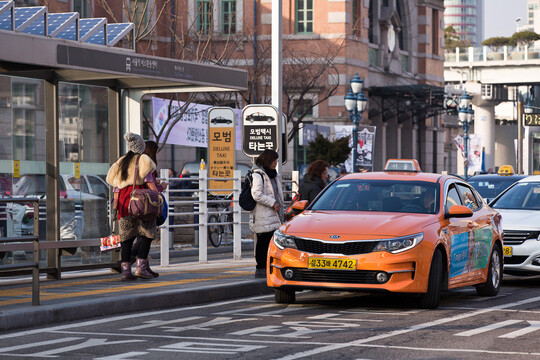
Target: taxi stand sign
x=411 y=165
x=221 y=148
x=260 y=129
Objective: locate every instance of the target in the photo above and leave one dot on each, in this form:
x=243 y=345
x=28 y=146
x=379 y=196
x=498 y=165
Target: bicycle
x=217 y=232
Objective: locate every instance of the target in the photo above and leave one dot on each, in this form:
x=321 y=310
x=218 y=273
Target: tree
x=523 y=38
x=333 y=152
x=452 y=40
x=496 y=43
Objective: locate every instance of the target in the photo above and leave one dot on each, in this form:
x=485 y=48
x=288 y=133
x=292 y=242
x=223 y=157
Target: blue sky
x=500 y=16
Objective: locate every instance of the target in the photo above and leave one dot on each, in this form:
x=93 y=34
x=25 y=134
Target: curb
x=86 y=309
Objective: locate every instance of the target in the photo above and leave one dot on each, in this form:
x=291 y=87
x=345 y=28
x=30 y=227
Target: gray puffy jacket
x=263 y=218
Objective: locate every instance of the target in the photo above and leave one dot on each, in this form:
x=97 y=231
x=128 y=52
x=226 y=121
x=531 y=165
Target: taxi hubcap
x=495 y=269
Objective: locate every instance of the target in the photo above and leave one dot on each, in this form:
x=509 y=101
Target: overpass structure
x=493 y=77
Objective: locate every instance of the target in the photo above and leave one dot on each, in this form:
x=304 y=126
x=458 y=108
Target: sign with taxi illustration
x=260 y=129
x=402 y=231
x=221 y=148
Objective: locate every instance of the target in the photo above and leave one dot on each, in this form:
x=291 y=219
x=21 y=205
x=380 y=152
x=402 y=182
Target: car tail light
x=63 y=194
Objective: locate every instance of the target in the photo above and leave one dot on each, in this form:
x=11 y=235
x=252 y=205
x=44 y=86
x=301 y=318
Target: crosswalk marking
x=487 y=328
x=535 y=325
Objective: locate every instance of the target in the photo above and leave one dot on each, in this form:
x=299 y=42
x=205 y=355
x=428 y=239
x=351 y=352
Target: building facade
x=467 y=18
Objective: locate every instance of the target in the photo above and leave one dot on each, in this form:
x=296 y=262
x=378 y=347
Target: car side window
x=452 y=198
x=79 y=184
x=98 y=187
x=469 y=200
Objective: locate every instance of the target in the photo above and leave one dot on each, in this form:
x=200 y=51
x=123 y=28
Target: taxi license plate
x=507 y=250
x=331 y=264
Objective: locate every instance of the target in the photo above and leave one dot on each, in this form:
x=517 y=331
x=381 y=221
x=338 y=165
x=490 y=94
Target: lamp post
x=355 y=103
x=465 y=114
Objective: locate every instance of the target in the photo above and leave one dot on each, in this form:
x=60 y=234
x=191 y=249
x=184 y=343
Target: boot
x=126 y=272
x=153 y=273
x=132 y=259
x=141 y=269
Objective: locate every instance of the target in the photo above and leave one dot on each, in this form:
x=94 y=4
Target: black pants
x=261 y=250
x=143 y=248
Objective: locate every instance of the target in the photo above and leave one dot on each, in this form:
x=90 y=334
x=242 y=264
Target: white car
x=519 y=206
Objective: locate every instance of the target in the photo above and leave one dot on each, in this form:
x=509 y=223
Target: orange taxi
x=400 y=230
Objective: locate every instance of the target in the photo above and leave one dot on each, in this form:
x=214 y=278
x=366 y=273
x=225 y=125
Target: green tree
x=496 y=43
x=523 y=38
x=452 y=40
x=333 y=152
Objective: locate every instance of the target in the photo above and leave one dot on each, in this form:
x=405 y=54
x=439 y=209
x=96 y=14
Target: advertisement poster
x=475 y=151
x=192 y=129
x=365 y=146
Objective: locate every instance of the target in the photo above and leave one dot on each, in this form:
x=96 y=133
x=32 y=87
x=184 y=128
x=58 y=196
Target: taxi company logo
x=334 y=236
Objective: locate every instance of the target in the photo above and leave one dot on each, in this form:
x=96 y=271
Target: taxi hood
x=357 y=225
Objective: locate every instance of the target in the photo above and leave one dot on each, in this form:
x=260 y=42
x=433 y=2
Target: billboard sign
x=260 y=129
x=221 y=148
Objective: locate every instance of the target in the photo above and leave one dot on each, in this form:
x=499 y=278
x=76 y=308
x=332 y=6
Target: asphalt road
x=320 y=325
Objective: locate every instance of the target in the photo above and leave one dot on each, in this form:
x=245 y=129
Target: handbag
x=161 y=218
x=110 y=242
x=144 y=204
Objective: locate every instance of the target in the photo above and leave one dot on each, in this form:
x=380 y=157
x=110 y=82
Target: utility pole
x=520 y=136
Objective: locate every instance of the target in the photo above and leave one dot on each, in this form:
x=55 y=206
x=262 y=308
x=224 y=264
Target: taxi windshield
x=380 y=195
x=490 y=188
x=523 y=196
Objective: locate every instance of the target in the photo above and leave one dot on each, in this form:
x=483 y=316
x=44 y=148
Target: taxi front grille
x=512 y=237
x=334 y=276
x=344 y=248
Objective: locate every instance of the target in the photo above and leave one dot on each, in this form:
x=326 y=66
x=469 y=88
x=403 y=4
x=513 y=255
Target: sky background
x=500 y=16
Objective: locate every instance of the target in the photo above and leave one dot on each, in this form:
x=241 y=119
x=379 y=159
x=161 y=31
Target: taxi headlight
x=283 y=241
x=399 y=244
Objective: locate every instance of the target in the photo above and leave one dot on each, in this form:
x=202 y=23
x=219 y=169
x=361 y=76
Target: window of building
x=435 y=32
x=228 y=12
x=138 y=13
x=204 y=16
x=304 y=16
x=371 y=17
x=83 y=7
x=357 y=18
x=303 y=106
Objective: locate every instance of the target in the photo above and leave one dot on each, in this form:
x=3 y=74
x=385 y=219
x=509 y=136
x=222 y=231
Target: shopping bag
x=110 y=242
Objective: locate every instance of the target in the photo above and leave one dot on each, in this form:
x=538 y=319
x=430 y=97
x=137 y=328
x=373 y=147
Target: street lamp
x=355 y=103
x=465 y=115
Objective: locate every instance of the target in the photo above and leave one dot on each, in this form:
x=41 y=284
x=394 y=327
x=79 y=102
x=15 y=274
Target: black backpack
x=246 y=200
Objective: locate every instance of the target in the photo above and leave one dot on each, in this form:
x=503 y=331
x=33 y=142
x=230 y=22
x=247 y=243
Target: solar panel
x=24 y=16
x=69 y=32
x=98 y=37
x=5 y=15
x=59 y=21
x=87 y=27
x=115 y=32
x=36 y=28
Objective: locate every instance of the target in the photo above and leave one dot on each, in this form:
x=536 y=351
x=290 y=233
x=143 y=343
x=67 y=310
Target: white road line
x=124 y=356
x=156 y=323
x=535 y=325
x=36 y=344
x=487 y=328
x=453 y=350
x=126 y=317
x=320 y=350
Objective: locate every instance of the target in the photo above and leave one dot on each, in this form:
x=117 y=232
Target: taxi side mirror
x=458 y=211
x=300 y=205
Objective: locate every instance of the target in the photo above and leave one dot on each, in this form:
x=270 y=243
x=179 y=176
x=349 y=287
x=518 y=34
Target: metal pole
x=277 y=83
x=466 y=145
x=520 y=137
x=355 y=139
x=237 y=217
x=203 y=217
x=165 y=234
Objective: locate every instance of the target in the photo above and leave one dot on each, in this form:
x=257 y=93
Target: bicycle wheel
x=214 y=231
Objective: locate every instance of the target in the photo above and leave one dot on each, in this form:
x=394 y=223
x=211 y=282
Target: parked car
x=194 y=168
x=404 y=232
x=519 y=206
x=491 y=185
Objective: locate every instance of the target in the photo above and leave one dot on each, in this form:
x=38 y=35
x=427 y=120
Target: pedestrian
x=121 y=176
x=269 y=211
x=186 y=182
x=343 y=171
x=174 y=184
x=314 y=180
x=150 y=150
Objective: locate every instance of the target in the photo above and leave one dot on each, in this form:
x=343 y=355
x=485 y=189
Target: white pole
x=295 y=181
x=203 y=217
x=277 y=30
x=165 y=235
x=237 y=217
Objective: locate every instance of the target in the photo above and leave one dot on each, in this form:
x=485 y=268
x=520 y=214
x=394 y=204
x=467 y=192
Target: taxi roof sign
x=408 y=165
x=506 y=170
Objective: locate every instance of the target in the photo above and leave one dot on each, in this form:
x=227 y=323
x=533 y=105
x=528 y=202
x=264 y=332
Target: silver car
x=519 y=206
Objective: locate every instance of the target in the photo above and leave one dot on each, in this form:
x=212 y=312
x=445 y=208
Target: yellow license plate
x=332 y=264
x=507 y=250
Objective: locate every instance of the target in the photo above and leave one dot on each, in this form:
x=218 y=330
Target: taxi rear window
x=380 y=195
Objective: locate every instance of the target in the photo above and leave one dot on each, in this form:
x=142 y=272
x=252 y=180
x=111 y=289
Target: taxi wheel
x=493 y=283
x=285 y=296
x=430 y=300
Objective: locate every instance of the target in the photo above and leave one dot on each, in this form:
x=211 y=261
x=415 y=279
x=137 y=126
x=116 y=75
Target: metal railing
x=34 y=265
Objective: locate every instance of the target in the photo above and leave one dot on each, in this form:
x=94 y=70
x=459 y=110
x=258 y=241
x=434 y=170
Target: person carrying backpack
x=269 y=210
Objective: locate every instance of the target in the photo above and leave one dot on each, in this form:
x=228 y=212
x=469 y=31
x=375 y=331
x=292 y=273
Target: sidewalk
x=86 y=294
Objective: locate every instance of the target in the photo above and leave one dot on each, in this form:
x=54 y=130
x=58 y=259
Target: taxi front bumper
x=376 y=271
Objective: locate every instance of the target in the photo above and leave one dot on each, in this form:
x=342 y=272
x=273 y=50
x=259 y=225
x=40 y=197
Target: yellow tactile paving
x=44 y=296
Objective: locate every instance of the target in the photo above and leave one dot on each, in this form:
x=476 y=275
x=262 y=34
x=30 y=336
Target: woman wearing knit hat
x=120 y=176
